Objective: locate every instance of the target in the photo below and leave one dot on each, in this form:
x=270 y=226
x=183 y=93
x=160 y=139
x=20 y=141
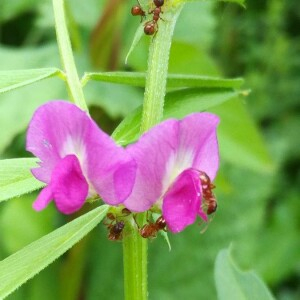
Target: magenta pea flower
x=77 y=159
x=171 y=159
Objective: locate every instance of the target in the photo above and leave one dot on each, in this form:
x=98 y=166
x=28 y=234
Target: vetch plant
x=159 y=179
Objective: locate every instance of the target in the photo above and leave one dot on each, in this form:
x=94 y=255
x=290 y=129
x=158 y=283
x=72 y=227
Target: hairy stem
x=156 y=79
x=135 y=248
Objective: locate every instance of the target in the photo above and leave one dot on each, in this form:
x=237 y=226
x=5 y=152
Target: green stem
x=66 y=54
x=156 y=79
x=135 y=248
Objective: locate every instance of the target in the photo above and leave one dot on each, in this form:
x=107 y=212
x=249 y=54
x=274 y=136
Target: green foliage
x=267 y=34
x=16 y=178
x=236 y=285
x=10 y=80
x=240 y=141
x=10 y=9
x=173 y=80
x=17 y=107
x=177 y=105
x=31 y=225
x=24 y=264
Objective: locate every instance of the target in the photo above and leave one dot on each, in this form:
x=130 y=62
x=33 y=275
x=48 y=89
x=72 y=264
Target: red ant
x=151 y=27
x=209 y=197
x=138 y=11
x=150 y=229
x=115 y=232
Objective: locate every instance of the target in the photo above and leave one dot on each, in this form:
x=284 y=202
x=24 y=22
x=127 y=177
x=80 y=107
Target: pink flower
x=170 y=158
x=78 y=160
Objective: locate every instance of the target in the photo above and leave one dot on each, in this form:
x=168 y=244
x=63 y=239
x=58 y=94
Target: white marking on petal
x=76 y=146
x=177 y=163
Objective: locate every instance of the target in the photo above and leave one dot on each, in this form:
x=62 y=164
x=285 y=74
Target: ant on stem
x=150 y=27
x=150 y=229
x=115 y=227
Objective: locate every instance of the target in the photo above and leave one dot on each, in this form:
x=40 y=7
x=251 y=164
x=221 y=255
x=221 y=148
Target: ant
x=209 y=197
x=150 y=229
x=151 y=27
x=137 y=10
x=115 y=232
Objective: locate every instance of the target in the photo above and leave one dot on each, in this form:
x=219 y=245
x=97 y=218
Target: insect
x=150 y=230
x=137 y=10
x=209 y=197
x=115 y=227
x=212 y=205
x=151 y=27
x=116 y=231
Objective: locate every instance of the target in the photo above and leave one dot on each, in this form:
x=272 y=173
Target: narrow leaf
x=234 y=284
x=173 y=80
x=177 y=105
x=16 y=178
x=137 y=36
x=24 y=264
x=14 y=79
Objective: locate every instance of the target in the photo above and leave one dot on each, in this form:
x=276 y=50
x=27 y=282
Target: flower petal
x=68 y=185
x=198 y=135
x=168 y=149
x=59 y=128
x=151 y=152
x=110 y=168
x=182 y=202
x=52 y=126
x=43 y=199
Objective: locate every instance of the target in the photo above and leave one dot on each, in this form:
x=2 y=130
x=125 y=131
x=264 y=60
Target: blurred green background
x=258 y=186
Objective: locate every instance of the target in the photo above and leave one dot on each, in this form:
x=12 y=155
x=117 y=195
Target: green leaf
x=240 y=140
x=14 y=79
x=17 y=107
x=174 y=80
x=16 y=235
x=137 y=37
x=24 y=264
x=16 y=178
x=177 y=105
x=195 y=59
x=234 y=284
